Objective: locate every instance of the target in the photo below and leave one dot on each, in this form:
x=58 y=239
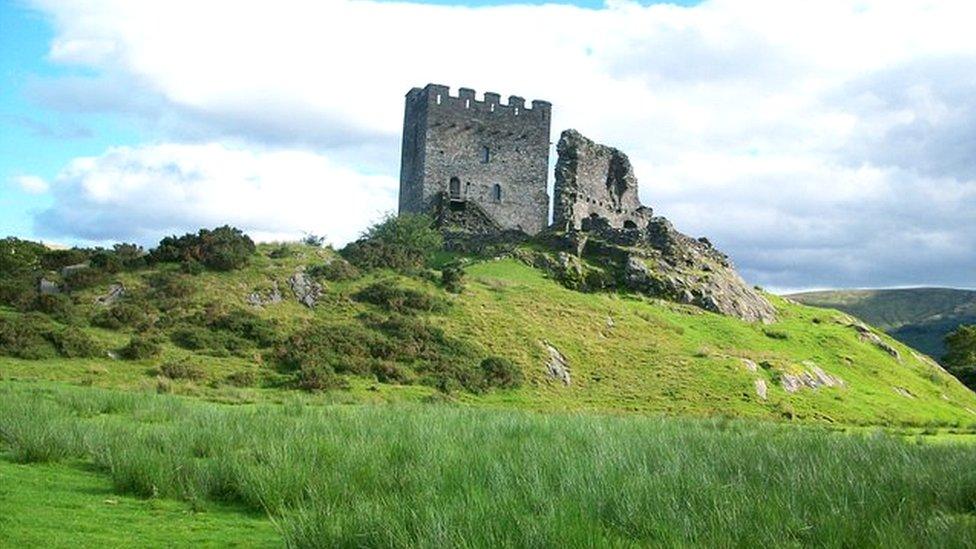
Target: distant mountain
x=918 y=317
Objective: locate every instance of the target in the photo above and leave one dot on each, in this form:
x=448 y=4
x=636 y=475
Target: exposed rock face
x=594 y=181
x=46 y=287
x=262 y=297
x=557 y=367
x=813 y=377
x=114 y=293
x=761 y=388
x=598 y=210
x=865 y=334
x=306 y=290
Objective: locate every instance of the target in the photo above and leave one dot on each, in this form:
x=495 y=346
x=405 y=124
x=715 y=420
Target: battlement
x=438 y=96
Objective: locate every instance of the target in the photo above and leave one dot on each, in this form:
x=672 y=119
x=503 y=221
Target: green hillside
x=918 y=317
x=624 y=352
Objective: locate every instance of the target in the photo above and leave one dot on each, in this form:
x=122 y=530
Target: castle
x=480 y=169
x=482 y=166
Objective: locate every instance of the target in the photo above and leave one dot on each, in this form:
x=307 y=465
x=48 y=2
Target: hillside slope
x=577 y=351
x=918 y=317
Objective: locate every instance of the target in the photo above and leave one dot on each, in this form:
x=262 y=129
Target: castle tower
x=463 y=158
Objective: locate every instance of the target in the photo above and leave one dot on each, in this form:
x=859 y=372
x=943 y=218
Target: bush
x=452 y=278
x=181 y=369
x=191 y=267
x=194 y=338
x=247 y=325
x=776 y=334
x=319 y=377
x=337 y=270
x=141 y=347
x=26 y=337
x=123 y=314
x=501 y=372
x=57 y=306
x=402 y=242
x=53 y=260
x=242 y=378
x=222 y=249
x=74 y=342
x=314 y=240
x=281 y=251
x=397 y=299
x=960 y=358
x=344 y=348
x=79 y=279
x=171 y=286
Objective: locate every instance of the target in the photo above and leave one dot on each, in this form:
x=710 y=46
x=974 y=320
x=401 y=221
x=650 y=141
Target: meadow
x=441 y=475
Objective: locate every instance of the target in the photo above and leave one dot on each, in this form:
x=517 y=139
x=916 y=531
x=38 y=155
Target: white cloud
x=31 y=184
x=148 y=192
x=810 y=140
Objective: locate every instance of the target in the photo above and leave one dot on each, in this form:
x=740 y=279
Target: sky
x=820 y=144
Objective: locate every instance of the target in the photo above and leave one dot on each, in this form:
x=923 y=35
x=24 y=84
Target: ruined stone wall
x=595 y=184
x=498 y=152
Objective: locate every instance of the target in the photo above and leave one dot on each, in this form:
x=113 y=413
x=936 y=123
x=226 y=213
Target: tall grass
x=441 y=476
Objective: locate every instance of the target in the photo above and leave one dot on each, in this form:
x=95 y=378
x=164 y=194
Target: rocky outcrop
x=114 y=293
x=811 y=377
x=599 y=217
x=865 y=334
x=306 y=290
x=265 y=296
x=557 y=366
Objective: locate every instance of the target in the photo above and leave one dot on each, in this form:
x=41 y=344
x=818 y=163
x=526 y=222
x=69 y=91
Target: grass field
x=437 y=475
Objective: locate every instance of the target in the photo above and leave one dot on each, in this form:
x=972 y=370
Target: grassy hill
x=298 y=400
x=918 y=317
x=625 y=352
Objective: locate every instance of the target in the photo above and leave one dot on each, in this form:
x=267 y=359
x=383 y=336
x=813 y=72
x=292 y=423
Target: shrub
x=171 y=285
x=242 y=378
x=106 y=261
x=53 y=260
x=26 y=337
x=314 y=240
x=397 y=299
x=194 y=338
x=337 y=270
x=247 y=325
x=281 y=251
x=319 y=377
x=80 y=279
x=452 y=278
x=181 y=369
x=57 y=306
x=776 y=334
x=222 y=249
x=960 y=358
x=402 y=242
x=123 y=314
x=191 y=267
x=141 y=347
x=344 y=348
x=501 y=372
x=74 y=342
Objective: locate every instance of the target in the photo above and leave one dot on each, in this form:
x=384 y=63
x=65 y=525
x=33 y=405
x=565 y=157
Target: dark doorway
x=454 y=189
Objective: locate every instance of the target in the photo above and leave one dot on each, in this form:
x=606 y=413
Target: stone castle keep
x=482 y=166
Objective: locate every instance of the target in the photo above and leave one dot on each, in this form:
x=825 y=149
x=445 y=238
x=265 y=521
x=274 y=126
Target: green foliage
x=82 y=278
x=191 y=267
x=776 y=334
x=452 y=278
x=319 y=377
x=53 y=260
x=183 y=368
x=281 y=251
x=247 y=325
x=74 y=342
x=129 y=313
x=338 y=476
x=314 y=240
x=172 y=286
x=26 y=337
x=960 y=358
x=391 y=297
x=242 y=378
x=58 y=306
x=337 y=270
x=121 y=257
x=141 y=347
x=501 y=372
x=222 y=249
x=403 y=242
x=20 y=266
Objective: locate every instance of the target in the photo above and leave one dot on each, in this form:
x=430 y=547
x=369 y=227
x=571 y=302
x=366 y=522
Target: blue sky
x=813 y=162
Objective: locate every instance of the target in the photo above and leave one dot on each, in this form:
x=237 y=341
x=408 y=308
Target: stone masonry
x=464 y=158
x=595 y=183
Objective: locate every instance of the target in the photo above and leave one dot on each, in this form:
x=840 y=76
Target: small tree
x=403 y=242
x=960 y=359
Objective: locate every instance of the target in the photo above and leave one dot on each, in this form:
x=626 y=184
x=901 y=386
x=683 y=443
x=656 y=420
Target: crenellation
x=485 y=153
